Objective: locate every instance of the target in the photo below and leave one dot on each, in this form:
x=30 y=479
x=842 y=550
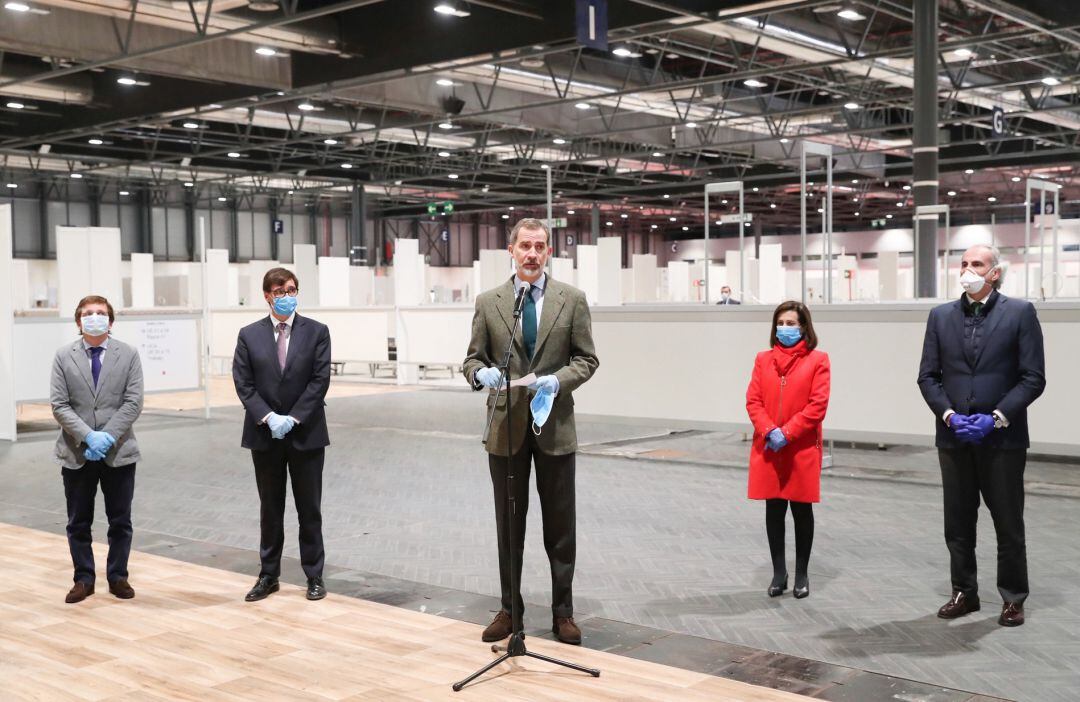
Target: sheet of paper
x=526 y=380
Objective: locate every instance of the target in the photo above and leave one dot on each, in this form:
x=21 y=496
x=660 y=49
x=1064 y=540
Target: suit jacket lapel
x=505 y=295
x=82 y=362
x=990 y=324
x=957 y=320
x=108 y=360
x=553 y=304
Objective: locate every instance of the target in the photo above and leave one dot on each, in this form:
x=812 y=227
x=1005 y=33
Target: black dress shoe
x=266 y=586
x=959 y=605
x=316 y=590
x=802 y=586
x=1012 y=614
x=778 y=586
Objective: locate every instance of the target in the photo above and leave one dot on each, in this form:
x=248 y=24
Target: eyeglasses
x=278 y=294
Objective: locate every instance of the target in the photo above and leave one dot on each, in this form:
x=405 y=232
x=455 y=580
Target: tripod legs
x=514 y=648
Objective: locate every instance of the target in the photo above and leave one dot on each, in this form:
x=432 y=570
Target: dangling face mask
x=972 y=282
x=95 y=324
x=541 y=409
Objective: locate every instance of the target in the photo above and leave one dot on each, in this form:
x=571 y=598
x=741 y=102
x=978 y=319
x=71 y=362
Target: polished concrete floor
x=672 y=559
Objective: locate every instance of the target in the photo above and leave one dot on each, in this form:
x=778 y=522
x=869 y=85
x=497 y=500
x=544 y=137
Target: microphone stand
x=515 y=647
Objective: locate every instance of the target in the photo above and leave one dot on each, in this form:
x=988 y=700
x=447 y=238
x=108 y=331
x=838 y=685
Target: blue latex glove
x=280 y=425
x=958 y=421
x=978 y=428
x=489 y=377
x=92 y=455
x=546 y=383
x=99 y=442
x=775 y=440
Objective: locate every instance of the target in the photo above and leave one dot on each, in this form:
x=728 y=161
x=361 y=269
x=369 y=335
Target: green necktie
x=976 y=309
x=528 y=322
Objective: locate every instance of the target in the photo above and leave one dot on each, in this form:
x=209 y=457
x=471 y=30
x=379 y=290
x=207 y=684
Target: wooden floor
x=188 y=635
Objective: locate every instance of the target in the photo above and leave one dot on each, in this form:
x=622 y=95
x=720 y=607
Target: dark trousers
x=80 y=491
x=273 y=469
x=555 y=486
x=998 y=476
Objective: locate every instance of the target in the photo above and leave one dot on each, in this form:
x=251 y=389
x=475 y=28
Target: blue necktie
x=95 y=362
x=528 y=322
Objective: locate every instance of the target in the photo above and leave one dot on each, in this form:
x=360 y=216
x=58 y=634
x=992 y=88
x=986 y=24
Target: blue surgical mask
x=541 y=409
x=95 y=324
x=788 y=336
x=285 y=305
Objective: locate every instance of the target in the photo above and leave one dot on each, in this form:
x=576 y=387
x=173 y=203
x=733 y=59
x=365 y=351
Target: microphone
x=519 y=301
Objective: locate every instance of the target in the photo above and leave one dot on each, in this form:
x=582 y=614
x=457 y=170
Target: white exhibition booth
x=675 y=365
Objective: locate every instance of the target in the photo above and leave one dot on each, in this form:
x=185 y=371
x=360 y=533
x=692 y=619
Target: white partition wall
x=717 y=280
x=609 y=270
x=588 y=271
x=334 y=281
x=256 y=270
x=678 y=281
x=142 y=280
x=217 y=276
x=306 y=273
x=771 y=283
x=888 y=265
x=645 y=278
x=495 y=267
x=734 y=271
x=477 y=280
x=361 y=286
x=233 y=287
x=562 y=269
x=76 y=247
x=408 y=292
x=7 y=330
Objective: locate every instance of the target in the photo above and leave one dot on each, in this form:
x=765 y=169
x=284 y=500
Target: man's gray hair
x=529 y=223
x=995 y=261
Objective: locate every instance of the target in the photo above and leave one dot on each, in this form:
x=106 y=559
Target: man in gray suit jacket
x=97 y=394
x=555 y=343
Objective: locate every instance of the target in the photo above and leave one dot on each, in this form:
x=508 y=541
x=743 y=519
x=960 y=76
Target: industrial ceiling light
x=558 y=140
x=330 y=142
x=445 y=82
x=95 y=142
x=583 y=106
x=124 y=193
x=666 y=196
x=962 y=53
x=306 y=106
x=76 y=176
x=266 y=51
x=1051 y=81
x=969 y=171
x=907 y=187
x=772 y=205
x=191 y=125
x=624 y=215
x=652 y=226
x=755 y=188
x=899 y=204
x=784 y=140
x=511 y=208
x=13 y=185
x=991 y=199
x=263 y=5
x=189 y=184
x=234 y=154
x=506 y=216
x=657 y=154
x=851 y=105
x=545 y=166
x=854 y=181
x=754 y=83
x=686 y=229
x=452 y=176
x=17 y=7
x=13 y=105
x=126 y=80
x=952 y=193
x=223 y=199
x=856 y=214
x=444 y=154
x=609 y=223
x=672 y=219
x=569 y=212
x=850 y=14
x=451 y=8
x=1016 y=179
x=888 y=216
x=346 y=166
x=625 y=51
x=446 y=125
x=691 y=125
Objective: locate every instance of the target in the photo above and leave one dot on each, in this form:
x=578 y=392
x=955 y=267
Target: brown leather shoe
x=79 y=592
x=566 y=630
x=499 y=628
x=959 y=605
x=122 y=589
x=1012 y=614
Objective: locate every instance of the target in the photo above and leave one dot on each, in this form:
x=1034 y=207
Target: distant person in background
x=726 y=298
x=281 y=370
x=982 y=365
x=786 y=401
x=97 y=394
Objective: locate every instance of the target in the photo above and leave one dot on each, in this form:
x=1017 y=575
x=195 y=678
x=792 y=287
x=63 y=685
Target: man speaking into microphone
x=554 y=343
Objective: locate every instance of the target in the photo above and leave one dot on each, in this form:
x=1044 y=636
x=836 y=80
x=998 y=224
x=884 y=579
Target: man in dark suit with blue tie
x=281 y=370
x=982 y=365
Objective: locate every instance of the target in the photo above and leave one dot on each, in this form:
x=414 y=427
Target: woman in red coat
x=786 y=401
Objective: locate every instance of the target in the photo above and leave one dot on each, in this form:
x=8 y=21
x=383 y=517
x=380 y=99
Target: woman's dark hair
x=804 y=320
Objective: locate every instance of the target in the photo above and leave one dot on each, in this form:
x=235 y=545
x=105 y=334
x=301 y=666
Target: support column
x=189 y=224
x=594 y=223
x=43 y=220
x=925 y=151
x=145 y=236
x=272 y=205
x=93 y=195
x=359 y=246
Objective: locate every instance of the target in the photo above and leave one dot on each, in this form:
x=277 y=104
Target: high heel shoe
x=776 y=589
x=802 y=587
